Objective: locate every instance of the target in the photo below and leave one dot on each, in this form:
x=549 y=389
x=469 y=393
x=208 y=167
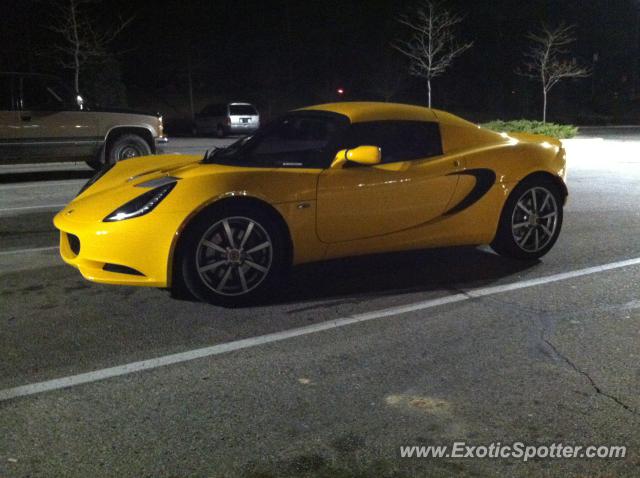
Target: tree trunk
x=429 y=90
x=76 y=50
x=76 y=77
x=544 y=106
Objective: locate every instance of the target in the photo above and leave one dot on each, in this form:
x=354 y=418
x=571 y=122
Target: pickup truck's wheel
x=95 y=163
x=127 y=146
x=531 y=220
x=232 y=256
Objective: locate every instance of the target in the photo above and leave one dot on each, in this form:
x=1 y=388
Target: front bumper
x=136 y=251
x=159 y=144
x=241 y=128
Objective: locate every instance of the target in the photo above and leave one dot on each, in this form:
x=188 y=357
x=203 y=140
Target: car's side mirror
x=364 y=155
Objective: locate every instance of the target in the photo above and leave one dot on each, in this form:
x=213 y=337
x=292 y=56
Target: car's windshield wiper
x=210 y=153
x=227 y=152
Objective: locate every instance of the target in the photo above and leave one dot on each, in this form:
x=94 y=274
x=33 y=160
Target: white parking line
x=43 y=184
x=27 y=251
x=218 y=349
x=43 y=167
x=27 y=208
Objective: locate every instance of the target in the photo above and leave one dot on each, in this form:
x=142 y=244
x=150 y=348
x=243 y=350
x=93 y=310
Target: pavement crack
x=556 y=351
x=592 y=382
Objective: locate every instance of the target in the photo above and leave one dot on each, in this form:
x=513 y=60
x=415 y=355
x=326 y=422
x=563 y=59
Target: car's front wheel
x=531 y=220
x=232 y=256
x=125 y=147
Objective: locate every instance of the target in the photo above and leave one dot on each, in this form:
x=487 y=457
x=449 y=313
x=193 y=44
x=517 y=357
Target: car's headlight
x=143 y=204
x=160 y=126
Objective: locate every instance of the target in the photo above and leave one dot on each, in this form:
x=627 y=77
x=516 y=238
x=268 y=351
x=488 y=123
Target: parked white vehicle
x=223 y=119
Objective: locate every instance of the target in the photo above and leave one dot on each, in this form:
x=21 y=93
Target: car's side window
x=399 y=140
x=38 y=94
x=6 y=94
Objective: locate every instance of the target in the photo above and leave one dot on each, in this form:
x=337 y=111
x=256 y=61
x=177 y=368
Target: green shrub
x=560 y=131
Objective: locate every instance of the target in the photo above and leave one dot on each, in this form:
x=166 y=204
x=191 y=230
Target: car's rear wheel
x=220 y=133
x=531 y=220
x=232 y=256
x=126 y=147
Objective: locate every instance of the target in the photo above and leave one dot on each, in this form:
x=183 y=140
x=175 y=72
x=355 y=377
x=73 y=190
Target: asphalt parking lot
x=353 y=360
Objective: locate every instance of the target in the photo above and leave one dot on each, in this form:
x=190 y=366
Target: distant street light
x=340 y=91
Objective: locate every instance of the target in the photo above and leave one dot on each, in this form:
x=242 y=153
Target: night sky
x=282 y=54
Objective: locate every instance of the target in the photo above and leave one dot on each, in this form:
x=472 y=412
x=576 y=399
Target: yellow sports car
x=322 y=182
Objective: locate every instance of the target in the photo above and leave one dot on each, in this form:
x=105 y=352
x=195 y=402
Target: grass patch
x=559 y=131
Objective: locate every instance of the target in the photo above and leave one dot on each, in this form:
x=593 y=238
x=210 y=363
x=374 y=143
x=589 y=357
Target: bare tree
x=546 y=63
x=432 y=46
x=81 y=41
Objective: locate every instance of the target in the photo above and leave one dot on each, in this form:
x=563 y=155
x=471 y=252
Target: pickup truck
x=41 y=120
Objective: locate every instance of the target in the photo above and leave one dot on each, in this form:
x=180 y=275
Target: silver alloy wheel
x=534 y=219
x=128 y=152
x=234 y=256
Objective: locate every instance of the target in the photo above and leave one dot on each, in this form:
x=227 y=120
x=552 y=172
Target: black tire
x=127 y=146
x=220 y=132
x=245 y=284
x=525 y=236
x=95 y=164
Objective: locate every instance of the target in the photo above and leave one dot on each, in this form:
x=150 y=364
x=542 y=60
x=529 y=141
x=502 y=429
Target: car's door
x=52 y=126
x=9 y=120
x=413 y=184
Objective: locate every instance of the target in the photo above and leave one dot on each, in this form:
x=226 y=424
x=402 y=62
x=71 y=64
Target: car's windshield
x=305 y=140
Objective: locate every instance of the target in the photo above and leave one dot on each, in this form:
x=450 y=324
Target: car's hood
x=198 y=183
x=122 y=182
x=138 y=170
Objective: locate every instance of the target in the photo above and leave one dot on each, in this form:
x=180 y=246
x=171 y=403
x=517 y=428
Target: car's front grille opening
x=74 y=243
x=121 y=269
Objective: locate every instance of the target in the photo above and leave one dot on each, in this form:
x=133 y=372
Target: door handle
x=26 y=117
x=456 y=163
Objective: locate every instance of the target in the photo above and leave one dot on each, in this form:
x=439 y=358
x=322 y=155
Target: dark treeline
x=283 y=54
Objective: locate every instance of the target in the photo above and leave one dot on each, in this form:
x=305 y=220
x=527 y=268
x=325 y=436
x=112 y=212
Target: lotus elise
x=321 y=182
